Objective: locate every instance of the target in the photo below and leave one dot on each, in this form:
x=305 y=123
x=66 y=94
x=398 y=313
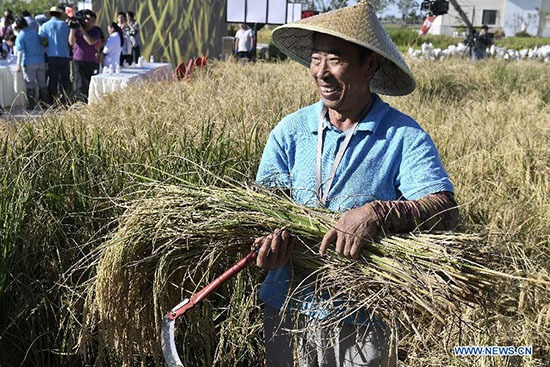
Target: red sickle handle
x=197 y=297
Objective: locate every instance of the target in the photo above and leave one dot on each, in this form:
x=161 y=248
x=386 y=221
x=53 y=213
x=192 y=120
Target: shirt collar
x=368 y=123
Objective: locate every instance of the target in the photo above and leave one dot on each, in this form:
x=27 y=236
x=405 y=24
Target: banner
x=426 y=25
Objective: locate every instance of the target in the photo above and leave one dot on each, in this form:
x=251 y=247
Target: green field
x=66 y=179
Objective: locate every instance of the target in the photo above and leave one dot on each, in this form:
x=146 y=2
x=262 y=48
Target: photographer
x=482 y=40
x=83 y=37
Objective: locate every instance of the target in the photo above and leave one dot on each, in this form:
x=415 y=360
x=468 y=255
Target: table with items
x=12 y=84
x=111 y=80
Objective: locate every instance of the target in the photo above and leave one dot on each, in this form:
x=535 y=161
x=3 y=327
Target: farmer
x=351 y=153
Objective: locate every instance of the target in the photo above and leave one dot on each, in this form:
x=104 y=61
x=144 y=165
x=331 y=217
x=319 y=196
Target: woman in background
x=113 y=46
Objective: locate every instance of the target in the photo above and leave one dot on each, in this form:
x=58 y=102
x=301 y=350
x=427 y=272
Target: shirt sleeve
x=109 y=45
x=19 y=44
x=274 y=170
x=421 y=172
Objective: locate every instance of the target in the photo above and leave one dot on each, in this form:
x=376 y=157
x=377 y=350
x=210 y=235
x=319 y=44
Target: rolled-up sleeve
x=421 y=171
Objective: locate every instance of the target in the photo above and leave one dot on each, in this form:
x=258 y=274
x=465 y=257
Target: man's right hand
x=275 y=249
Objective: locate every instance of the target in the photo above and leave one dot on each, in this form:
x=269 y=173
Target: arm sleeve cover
x=437 y=211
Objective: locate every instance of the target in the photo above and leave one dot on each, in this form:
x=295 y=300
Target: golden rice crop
x=63 y=176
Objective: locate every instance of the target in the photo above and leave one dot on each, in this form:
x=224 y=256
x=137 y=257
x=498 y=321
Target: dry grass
x=63 y=175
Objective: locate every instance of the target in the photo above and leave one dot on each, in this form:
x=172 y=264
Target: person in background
x=40 y=19
x=244 y=41
x=482 y=40
x=6 y=29
x=7 y=46
x=99 y=46
x=126 y=54
x=135 y=37
x=31 y=22
x=30 y=55
x=7 y=13
x=56 y=33
x=113 y=47
x=84 y=39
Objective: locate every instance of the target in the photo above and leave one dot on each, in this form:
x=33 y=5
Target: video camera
x=78 y=20
x=483 y=40
x=436 y=7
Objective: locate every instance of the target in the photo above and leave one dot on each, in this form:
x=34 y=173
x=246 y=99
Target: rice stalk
x=177 y=238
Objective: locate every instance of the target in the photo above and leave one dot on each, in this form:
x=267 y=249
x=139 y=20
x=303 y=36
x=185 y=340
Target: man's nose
x=322 y=70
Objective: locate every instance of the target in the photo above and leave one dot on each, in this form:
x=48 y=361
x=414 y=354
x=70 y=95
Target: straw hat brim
x=393 y=77
x=54 y=10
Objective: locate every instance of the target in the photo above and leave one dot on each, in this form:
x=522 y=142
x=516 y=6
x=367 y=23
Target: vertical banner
x=172 y=30
x=236 y=11
x=276 y=12
x=294 y=12
x=256 y=11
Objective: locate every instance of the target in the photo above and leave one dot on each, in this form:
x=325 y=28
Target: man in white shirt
x=244 y=42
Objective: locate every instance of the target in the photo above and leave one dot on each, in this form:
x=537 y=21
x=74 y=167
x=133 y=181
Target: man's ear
x=370 y=66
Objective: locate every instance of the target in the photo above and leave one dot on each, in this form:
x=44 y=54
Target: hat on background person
x=54 y=11
x=357 y=24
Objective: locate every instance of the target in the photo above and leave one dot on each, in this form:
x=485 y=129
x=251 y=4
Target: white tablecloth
x=12 y=85
x=106 y=83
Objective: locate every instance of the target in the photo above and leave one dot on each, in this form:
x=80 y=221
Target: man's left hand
x=351 y=232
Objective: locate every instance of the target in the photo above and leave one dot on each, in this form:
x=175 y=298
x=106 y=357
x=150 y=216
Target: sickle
x=168 y=342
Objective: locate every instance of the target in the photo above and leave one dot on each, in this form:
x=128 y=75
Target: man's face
x=90 y=22
x=341 y=78
x=121 y=19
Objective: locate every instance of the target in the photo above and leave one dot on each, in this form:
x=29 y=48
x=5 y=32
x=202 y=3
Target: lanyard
x=322 y=196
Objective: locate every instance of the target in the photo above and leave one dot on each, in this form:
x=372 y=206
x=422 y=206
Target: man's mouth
x=328 y=91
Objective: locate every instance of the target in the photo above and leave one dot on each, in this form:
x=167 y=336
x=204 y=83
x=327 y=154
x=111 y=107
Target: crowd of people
x=59 y=51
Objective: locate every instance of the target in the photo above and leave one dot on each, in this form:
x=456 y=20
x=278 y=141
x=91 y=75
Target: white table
x=12 y=85
x=106 y=83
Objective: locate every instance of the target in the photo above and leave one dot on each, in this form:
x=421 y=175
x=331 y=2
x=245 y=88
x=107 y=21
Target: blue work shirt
x=57 y=32
x=390 y=157
x=28 y=41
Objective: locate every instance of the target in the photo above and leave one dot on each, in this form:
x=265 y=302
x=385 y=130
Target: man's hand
x=354 y=228
x=18 y=68
x=275 y=249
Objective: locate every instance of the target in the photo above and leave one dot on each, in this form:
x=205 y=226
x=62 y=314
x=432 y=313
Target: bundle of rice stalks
x=178 y=238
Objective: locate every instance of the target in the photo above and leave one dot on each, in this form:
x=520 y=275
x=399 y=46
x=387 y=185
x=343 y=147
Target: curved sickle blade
x=168 y=341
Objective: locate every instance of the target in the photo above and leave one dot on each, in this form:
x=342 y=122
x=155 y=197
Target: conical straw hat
x=357 y=24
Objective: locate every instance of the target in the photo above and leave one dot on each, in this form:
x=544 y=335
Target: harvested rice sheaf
x=178 y=238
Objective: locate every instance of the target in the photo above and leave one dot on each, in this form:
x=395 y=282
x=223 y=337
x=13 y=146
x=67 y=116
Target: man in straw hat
x=56 y=32
x=352 y=153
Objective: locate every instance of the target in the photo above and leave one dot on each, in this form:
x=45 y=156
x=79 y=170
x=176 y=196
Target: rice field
x=67 y=179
